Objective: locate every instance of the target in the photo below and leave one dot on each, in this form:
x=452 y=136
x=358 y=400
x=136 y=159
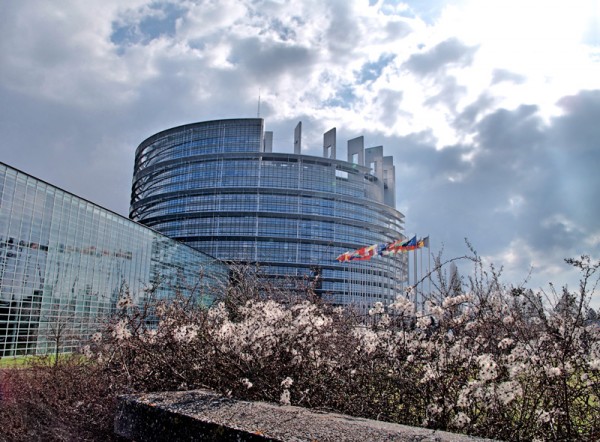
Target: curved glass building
x=218 y=186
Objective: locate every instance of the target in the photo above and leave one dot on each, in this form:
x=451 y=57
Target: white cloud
x=469 y=99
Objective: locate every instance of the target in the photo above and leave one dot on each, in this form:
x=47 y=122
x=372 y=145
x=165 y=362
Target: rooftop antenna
x=258 y=110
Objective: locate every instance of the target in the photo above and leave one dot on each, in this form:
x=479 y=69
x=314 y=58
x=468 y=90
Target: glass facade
x=216 y=187
x=64 y=263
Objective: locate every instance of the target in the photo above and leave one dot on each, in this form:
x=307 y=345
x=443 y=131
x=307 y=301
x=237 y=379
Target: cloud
x=259 y=60
x=489 y=143
x=573 y=150
x=397 y=30
x=450 y=52
x=522 y=185
x=500 y=75
x=449 y=95
x=473 y=112
x=158 y=19
x=389 y=106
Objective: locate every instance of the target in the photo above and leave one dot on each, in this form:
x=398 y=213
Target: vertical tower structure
x=218 y=187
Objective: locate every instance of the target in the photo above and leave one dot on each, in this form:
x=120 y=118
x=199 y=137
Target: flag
x=381 y=249
x=410 y=245
x=364 y=253
x=393 y=247
x=344 y=257
x=384 y=249
x=402 y=245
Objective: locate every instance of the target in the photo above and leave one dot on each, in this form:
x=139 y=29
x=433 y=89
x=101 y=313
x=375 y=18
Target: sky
x=491 y=109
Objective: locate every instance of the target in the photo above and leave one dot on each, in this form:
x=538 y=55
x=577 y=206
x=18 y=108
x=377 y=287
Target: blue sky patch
x=372 y=71
x=160 y=20
x=343 y=98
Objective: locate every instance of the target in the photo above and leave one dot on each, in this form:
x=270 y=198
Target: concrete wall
x=202 y=415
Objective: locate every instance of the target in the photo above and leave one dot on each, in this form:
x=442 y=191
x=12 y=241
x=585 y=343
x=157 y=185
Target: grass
x=14 y=361
x=24 y=360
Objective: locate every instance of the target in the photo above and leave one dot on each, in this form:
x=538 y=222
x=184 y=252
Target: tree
x=455 y=282
x=60 y=328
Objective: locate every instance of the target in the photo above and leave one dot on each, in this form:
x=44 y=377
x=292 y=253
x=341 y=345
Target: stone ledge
x=202 y=415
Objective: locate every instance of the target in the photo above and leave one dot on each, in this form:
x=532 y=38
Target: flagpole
x=353 y=284
x=429 y=264
x=346 y=285
x=407 y=269
x=393 y=271
x=421 y=277
x=415 y=278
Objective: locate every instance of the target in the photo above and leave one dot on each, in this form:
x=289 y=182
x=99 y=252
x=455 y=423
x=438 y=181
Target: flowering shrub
x=489 y=361
x=486 y=360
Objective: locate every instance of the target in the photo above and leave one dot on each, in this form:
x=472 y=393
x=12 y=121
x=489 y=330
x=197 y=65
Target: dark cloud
x=465 y=120
x=262 y=60
x=574 y=151
x=579 y=128
x=521 y=182
x=511 y=133
x=449 y=93
x=388 y=103
x=344 y=33
x=397 y=30
x=69 y=148
x=450 y=52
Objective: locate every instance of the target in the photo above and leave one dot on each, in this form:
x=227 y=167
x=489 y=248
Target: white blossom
x=508 y=320
x=125 y=302
x=434 y=409
x=402 y=305
x=385 y=320
x=368 y=339
x=377 y=309
x=285 y=397
x=437 y=312
x=121 y=331
x=149 y=336
x=487 y=367
x=544 y=417
x=456 y=300
x=423 y=322
x=87 y=351
x=460 y=420
x=185 y=333
x=508 y=391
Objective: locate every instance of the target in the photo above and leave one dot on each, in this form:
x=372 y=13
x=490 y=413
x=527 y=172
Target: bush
x=485 y=359
x=57 y=401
